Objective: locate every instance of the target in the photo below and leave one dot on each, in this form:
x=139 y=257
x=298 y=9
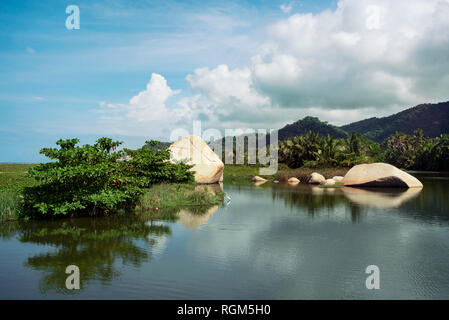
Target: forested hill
x=433 y=119
x=310 y=124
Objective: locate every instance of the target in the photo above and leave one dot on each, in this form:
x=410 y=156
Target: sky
x=138 y=70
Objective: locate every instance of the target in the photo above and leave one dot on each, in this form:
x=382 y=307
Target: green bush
x=91 y=179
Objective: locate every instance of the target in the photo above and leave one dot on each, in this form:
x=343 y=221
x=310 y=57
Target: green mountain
x=310 y=124
x=433 y=119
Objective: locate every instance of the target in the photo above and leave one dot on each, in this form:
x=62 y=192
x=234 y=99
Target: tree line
x=411 y=152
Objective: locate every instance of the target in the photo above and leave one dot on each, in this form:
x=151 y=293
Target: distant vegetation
x=311 y=124
x=417 y=152
x=433 y=119
x=313 y=150
x=412 y=152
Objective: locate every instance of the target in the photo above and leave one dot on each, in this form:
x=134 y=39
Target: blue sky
x=58 y=83
x=52 y=77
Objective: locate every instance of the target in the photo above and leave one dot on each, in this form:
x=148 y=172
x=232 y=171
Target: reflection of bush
x=95 y=245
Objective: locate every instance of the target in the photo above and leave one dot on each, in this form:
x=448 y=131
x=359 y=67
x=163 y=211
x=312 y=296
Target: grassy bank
x=13 y=177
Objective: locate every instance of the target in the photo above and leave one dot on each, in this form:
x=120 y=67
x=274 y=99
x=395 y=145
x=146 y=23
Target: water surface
x=269 y=242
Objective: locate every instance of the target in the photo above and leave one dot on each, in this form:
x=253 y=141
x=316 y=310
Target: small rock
x=329 y=182
x=337 y=178
x=315 y=178
x=258 y=179
x=293 y=180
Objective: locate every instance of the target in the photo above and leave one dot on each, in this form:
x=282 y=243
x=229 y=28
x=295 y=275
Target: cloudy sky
x=140 y=69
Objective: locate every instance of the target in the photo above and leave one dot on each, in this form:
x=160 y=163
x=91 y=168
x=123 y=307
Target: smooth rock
x=206 y=163
x=315 y=178
x=337 y=178
x=258 y=179
x=379 y=175
x=329 y=182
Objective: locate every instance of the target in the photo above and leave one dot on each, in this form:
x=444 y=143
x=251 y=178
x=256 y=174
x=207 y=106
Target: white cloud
x=148 y=105
x=364 y=54
x=365 y=58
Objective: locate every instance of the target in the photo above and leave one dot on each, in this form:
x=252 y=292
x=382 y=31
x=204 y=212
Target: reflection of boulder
x=380 y=198
x=379 y=175
x=208 y=166
x=195 y=220
x=210 y=187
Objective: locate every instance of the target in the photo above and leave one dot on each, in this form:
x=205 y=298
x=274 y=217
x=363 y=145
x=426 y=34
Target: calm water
x=269 y=242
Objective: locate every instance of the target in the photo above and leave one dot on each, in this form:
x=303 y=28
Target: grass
x=13 y=177
x=241 y=174
x=180 y=195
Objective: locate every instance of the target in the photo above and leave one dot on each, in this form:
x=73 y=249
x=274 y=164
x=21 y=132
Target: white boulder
x=315 y=178
x=379 y=175
x=206 y=163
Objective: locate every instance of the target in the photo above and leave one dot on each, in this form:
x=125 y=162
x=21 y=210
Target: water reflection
x=192 y=219
x=98 y=246
x=380 y=197
x=315 y=198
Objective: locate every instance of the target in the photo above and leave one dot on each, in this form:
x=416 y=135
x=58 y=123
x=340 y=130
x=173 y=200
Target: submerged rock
x=379 y=175
x=293 y=180
x=206 y=163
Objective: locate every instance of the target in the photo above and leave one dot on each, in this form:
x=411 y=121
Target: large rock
x=315 y=178
x=379 y=175
x=193 y=150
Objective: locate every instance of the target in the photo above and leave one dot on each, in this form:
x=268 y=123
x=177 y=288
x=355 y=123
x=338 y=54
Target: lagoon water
x=269 y=242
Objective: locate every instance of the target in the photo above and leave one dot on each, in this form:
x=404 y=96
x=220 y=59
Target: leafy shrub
x=89 y=179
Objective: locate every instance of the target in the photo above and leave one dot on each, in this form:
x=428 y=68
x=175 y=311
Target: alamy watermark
x=373 y=280
x=73 y=280
x=73 y=20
